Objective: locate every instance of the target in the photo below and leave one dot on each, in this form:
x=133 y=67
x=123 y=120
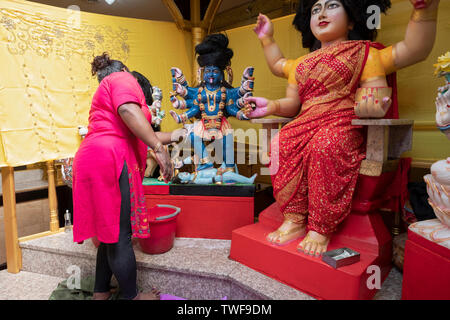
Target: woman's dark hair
x=146 y=86
x=356 y=11
x=214 y=51
x=103 y=66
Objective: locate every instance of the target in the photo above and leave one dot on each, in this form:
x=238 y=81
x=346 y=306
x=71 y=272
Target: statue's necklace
x=211 y=95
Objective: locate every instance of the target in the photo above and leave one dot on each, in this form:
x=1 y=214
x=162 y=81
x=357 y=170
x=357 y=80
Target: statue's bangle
x=181 y=79
x=158 y=147
x=265 y=41
x=426 y=14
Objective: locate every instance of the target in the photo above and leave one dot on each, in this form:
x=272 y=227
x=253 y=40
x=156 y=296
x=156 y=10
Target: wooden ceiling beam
x=246 y=13
x=176 y=15
x=210 y=14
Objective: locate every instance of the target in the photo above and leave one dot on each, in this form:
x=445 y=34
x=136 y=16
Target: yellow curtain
x=417 y=86
x=46 y=86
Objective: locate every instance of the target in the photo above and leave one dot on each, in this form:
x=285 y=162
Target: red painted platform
x=365 y=233
x=426 y=270
x=207 y=217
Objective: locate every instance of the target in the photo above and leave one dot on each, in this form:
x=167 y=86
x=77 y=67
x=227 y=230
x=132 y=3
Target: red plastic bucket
x=163 y=225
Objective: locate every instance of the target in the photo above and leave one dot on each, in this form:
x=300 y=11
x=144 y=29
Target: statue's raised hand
x=264 y=27
x=248 y=73
x=241 y=101
x=248 y=85
x=179 y=89
x=372 y=102
x=176 y=116
x=178 y=76
x=422 y=4
x=177 y=103
x=260 y=109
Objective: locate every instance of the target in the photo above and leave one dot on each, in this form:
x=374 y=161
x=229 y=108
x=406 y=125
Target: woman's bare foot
x=153 y=295
x=314 y=244
x=288 y=231
x=101 y=295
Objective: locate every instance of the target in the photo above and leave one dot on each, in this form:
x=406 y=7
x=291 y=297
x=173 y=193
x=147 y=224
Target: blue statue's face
x=212 y=76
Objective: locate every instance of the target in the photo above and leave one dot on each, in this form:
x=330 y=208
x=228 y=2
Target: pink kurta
x=100 y=160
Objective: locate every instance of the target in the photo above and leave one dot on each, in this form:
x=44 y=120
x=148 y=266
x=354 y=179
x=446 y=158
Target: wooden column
x=197 y=36
x=52 y=200
x=198 y=33
x=13 y=253
x=196 y=25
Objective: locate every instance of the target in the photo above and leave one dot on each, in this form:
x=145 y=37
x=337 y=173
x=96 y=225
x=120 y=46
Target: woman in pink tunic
x=108 y=171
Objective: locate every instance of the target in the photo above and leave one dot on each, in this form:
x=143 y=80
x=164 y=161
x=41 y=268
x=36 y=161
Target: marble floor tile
x=193 y=269
x=26 y=286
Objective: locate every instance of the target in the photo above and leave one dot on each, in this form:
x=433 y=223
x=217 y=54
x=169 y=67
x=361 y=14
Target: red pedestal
x=207 y=217
x=426 y=270
x=364 y=233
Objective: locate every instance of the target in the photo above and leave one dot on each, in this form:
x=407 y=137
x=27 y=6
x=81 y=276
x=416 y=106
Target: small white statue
x=155 y=108
x=438 y=188
x=438 y=182
x=82 y=131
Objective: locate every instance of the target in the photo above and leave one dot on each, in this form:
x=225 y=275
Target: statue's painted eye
x=333 y=5
x=315 y=10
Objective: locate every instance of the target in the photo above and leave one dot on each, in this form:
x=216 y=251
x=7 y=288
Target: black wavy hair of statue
x=103 y=66
x=146 y=86
x=214 y=51
x=356 y=11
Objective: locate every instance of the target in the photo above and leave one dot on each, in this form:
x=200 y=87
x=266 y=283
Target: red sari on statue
x=320 y=151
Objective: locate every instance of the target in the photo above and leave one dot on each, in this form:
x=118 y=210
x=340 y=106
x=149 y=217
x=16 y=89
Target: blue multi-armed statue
x=212 y=101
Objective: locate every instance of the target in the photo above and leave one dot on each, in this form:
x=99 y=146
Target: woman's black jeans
x=118 y=258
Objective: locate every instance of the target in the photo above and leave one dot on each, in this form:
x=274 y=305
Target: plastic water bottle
x=67 y=223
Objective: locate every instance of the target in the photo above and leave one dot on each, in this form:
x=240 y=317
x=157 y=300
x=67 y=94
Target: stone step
x=195 y=269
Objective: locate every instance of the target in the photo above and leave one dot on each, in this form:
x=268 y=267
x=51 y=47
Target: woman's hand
x=264 y=27
x=261 y=109
x=165 y=164
x=179 y=133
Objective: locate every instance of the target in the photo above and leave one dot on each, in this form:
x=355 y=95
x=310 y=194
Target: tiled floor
x=26 y=286
x=196 y=256
x=33 y=286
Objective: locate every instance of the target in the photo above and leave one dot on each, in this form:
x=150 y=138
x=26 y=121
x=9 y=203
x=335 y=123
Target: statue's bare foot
x=314 y=244
x=287 y=232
